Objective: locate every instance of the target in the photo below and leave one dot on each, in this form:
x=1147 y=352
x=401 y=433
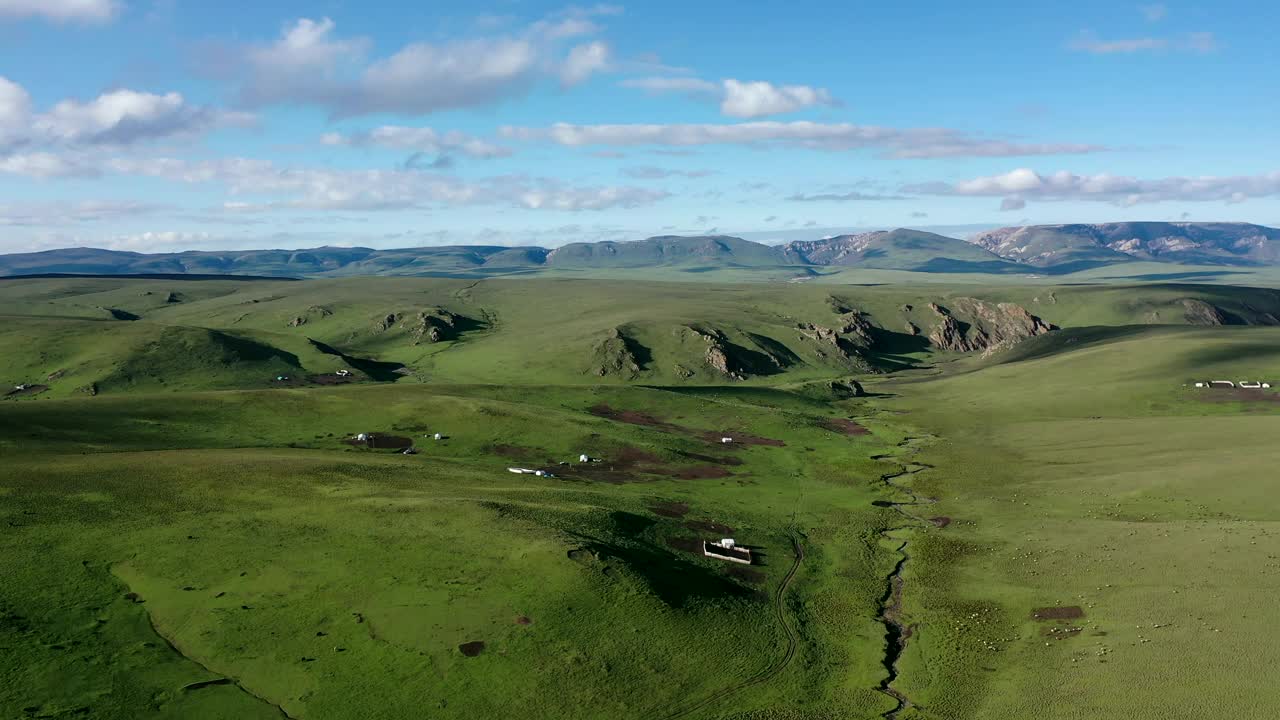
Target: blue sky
x=172 y=124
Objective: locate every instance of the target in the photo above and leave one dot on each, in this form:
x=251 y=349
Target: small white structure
x=19 y=387
x=363 y=437
x=522 y=471
x=343 y=373
x=726 y=440
x=1221 y=383
x=726 y=549
x=438 y=436
x=584 y=458
x=1250 y=385
x=1202 y=385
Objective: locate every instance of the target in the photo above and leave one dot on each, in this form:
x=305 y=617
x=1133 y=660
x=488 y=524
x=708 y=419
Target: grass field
x=1060 y=529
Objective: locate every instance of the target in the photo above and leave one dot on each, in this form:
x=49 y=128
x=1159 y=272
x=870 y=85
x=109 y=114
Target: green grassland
x=186 y=537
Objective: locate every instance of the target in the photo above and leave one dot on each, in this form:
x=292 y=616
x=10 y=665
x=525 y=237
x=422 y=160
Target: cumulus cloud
x=90 y=11
x=759 y=99
x=421 y=139
x=583 y=62
x=1089 y=42
x=1023 y=184
x=649 y=172
x=737 y=98
x=893 y=142
x=118 y=117
x=309 y=64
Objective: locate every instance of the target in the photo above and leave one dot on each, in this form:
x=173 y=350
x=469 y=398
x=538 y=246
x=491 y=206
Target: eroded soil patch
x=1061 y=612
x=669 y=509
x=844 y=426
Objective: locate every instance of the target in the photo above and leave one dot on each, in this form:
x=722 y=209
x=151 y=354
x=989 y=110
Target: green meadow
x=1061 y=527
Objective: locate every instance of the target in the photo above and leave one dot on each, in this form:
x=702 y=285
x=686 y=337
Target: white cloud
x=1021 y=185
x=43 y=165
x=309 y=65
x=583 y=62
x=737 y=98
x=421 y=139
x=1089 y=42
x=119 y=117
x=92 y=11
x=260 y=185
x=894 y=142
x=759 y=99
x=68 y=213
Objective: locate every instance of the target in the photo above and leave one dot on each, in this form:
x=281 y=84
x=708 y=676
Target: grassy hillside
x=1081 y=473
x=1006 y=526
x=228 y=334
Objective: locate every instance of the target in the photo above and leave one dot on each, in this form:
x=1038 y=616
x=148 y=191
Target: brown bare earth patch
x=472 y=649
x=633 y=456
x=844 y=427
x=636 y=417
x=685 y=544
x=522 y=620
x=1061 y=612
x=514 y=452
x=1241 y=395
x=669 y=509
x=26 y=391
x=940 y=521
x=708 y=526
x=718 y=460
x=631 y=417
x=745 y=574
x=739 y=439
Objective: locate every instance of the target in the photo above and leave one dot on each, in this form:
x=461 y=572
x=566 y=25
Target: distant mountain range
x=1030 y=249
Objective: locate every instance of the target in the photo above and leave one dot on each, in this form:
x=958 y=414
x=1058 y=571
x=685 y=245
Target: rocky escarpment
x=970 y=325
x=618 y=355
x=733 y=360
x=429 y=325
x=851 y=336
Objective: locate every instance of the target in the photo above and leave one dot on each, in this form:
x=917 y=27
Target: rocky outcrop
x=312 y=313
x=970 y=325
x=911 y=329
x=617 y=355
x=736 y=362
x=431 y=325
x=851 y=336
x=1199 y=312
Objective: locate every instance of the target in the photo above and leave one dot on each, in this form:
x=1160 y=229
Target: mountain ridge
x=1057 y=249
